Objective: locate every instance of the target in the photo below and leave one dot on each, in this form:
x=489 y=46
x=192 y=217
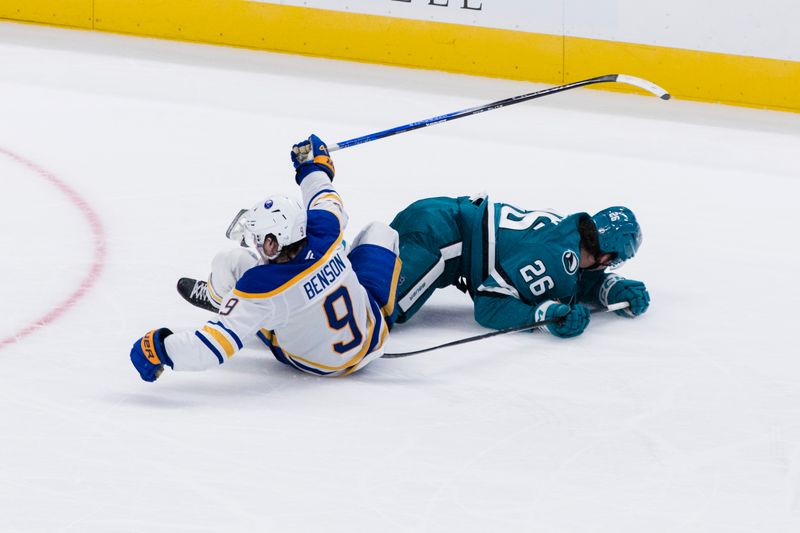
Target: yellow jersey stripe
x=384 y=334
x=214 y=296
x=221 y=339
x=269 y=335
x=331 y=195
x=331 y=210
x=388 y=309
x=295 y=279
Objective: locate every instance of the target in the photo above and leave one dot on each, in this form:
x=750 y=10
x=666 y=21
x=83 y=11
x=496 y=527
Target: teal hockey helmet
x=618 y=233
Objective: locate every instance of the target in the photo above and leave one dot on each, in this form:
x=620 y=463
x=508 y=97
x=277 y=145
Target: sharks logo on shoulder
x=570 y=262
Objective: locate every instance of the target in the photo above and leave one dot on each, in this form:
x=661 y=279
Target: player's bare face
x=270 y=246
x=590 y=262
x=587 y=260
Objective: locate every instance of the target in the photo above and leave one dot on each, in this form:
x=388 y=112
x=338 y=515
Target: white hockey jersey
x=311 y=312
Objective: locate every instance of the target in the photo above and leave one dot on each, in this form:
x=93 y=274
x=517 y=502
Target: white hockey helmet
x=277 y=215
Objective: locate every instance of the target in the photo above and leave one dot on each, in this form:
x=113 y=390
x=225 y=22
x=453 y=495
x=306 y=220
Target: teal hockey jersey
x=513 y=259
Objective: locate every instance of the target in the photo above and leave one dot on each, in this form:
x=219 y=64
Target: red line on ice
x=99 y=250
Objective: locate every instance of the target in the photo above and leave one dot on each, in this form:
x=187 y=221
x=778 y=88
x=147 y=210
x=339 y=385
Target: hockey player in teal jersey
x=518 y=266
x=295 y=289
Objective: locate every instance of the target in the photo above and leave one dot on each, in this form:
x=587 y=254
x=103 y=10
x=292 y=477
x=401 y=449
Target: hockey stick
x=612 y=307
x=608 y=78
x=187 y=289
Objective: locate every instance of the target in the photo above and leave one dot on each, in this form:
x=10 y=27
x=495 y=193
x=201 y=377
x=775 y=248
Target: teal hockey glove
x=309 y=156
x=617 y=289
x=570 y=320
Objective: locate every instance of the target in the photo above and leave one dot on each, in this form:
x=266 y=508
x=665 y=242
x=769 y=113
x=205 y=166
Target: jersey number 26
x=530 y=273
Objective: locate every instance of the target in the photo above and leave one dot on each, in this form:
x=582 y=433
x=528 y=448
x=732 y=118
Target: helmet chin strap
x=270 y=257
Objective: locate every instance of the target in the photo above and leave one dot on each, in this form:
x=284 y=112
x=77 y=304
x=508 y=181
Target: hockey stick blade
x=610 y=308
x=643 y=84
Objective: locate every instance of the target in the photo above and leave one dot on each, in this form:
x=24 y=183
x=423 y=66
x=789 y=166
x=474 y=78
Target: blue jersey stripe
x=263 y=338
x=277 y=352
x=323 y=191
x=209 y=346
x=376 y=333
x=309 y=369
x=281 y=356
x=230 y=332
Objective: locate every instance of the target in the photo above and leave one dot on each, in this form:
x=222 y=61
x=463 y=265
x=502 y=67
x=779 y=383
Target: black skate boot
x=196 y=293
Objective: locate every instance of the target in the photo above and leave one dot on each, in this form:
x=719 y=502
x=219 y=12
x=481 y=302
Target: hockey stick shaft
x=612 y=307
x=608 y=78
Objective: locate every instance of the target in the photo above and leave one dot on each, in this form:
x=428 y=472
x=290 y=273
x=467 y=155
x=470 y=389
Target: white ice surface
x=685 y=420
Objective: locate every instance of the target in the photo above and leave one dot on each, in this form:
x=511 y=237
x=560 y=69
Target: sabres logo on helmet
x=570 y=262
x=278 y=216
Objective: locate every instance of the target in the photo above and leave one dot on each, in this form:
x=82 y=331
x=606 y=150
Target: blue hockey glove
x=617 y=289
x=572 y=320
x=311 y=155
x=149 y=356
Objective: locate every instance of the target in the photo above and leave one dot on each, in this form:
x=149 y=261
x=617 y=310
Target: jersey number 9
x=348 y=319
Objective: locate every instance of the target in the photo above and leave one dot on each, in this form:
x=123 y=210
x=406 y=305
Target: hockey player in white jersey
x=295 y=289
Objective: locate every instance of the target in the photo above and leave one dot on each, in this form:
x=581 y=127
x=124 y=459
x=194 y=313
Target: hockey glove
x=309 y=156
x=617 y=289
x=149 y=355
x=570 y=321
